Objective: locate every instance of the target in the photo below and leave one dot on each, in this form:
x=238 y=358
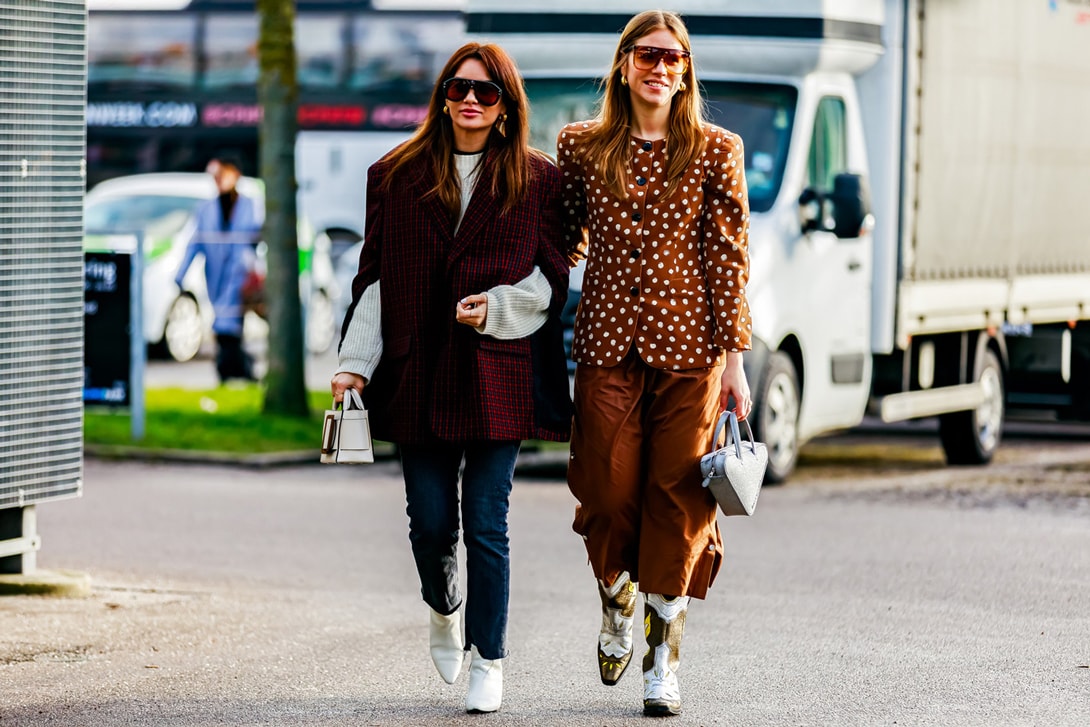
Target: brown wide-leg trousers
x=637 y=438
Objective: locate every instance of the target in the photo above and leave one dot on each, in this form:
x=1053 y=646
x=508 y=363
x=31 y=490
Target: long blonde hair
x=608 y=141
x=509 y=152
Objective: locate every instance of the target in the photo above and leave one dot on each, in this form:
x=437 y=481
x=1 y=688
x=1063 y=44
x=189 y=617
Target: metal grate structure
x=42 y=101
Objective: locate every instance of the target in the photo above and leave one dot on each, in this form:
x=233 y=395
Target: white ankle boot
x=664 y=624
x=485 y=683
x=447 y=647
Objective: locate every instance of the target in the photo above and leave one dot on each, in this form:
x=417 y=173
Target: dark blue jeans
x=431 y=491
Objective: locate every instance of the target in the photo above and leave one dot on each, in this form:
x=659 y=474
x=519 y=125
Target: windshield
x=156 y=215
x=761 y=113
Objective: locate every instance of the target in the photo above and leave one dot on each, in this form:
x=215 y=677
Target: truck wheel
x=184 y=330
x=971 y=437
x=777 y=416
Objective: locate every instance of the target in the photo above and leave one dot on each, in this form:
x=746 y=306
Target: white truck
x=919 y=177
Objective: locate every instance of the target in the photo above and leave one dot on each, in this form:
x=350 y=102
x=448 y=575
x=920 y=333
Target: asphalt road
x=877 y=588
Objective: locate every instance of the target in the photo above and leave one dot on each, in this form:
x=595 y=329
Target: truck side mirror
x=811 y=206
x=850 y=202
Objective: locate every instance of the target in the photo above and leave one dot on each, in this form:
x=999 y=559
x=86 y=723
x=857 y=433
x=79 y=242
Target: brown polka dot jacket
x=666 y=274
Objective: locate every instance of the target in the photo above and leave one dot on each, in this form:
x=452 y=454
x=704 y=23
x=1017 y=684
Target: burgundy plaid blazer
x=440 y=379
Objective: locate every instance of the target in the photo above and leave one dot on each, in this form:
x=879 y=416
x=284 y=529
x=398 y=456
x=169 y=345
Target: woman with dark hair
x=462 y=265
x=655 y=197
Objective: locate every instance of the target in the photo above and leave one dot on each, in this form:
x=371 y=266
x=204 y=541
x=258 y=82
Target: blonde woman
x=655 y=198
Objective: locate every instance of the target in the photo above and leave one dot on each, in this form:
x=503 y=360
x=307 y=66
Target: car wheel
x=184 y=331
x=971 y=437
x=321 y=326
x=777 y=416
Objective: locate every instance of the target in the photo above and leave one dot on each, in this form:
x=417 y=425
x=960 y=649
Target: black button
x=641 y=181
x=635 y=254
x=647 y=146
x=636 y=217
x=634 y=291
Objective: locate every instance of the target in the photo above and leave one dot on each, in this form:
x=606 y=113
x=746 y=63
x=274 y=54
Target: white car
x=164 y=206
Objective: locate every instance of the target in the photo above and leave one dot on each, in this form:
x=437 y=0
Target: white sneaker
x=485 y=683
x=447 y=647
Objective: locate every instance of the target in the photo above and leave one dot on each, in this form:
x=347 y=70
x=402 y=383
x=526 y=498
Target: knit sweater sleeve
x=361 y=348
x=516 y=311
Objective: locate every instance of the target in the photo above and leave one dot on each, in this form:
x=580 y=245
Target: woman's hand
x=472 y=310
x=344 y=381
x=734 y=384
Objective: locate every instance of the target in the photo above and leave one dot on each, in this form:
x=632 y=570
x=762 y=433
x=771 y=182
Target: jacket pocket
x=688 y=287
x=510 y=347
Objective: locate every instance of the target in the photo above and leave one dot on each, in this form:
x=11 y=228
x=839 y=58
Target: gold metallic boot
x=663 y=624
x=615 y=638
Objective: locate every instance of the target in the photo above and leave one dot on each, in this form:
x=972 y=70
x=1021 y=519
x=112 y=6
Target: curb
x=264 y=460
x=546 y=463
x=55 y=584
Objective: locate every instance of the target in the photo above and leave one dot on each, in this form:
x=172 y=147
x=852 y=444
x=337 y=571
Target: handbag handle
x=734 y=435
x=352 y=400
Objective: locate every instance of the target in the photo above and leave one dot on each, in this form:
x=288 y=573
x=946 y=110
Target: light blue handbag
x=735 y=471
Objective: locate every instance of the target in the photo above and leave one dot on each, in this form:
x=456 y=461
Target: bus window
x=319 y=48
x=401 y=53
x=121 y=50
x=230 y=50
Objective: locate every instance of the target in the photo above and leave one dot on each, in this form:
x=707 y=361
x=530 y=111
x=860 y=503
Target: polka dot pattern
x=666 y=275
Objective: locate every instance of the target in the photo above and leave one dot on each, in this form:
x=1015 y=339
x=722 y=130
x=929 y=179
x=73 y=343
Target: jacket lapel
x=482 y=209
x=432 y=209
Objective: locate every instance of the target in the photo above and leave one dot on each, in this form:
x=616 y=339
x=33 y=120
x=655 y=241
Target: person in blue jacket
x=227 y=229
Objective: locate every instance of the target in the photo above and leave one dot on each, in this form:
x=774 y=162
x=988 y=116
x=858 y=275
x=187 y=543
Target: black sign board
x=106 y=328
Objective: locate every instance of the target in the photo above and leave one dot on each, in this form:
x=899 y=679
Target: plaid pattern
x=438 y=378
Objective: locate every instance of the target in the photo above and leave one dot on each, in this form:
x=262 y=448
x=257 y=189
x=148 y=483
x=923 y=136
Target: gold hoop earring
x=446 y=110
x=682 y=86
x=624 y=80
x=501 y=125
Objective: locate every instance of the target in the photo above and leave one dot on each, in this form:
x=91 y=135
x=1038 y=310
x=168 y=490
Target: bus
x=172 y=84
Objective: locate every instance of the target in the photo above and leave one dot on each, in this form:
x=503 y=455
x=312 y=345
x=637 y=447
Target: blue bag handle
x=734 y=435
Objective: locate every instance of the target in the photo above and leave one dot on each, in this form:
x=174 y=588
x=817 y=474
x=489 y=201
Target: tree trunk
x=285 y=382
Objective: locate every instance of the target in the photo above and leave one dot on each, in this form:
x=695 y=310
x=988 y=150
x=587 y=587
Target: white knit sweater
x=514 y=311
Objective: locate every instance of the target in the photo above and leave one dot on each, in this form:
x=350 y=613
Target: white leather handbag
x=346 y=433
x=735 y=471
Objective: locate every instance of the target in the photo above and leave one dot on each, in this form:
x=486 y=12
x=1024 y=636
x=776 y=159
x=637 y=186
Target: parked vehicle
x=917 y=176
x=332 y=170
x=164 y=207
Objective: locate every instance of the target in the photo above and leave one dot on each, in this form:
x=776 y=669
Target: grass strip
x=225 y=419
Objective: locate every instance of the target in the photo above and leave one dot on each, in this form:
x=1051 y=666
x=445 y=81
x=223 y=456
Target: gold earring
x=682 y=86
x=624 y=80
x=446 y=109
x=501 y=125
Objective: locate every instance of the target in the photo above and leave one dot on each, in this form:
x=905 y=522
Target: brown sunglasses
x=647 y=57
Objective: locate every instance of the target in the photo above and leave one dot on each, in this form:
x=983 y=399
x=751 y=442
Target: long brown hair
x=509 y=153
x=608 y=141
